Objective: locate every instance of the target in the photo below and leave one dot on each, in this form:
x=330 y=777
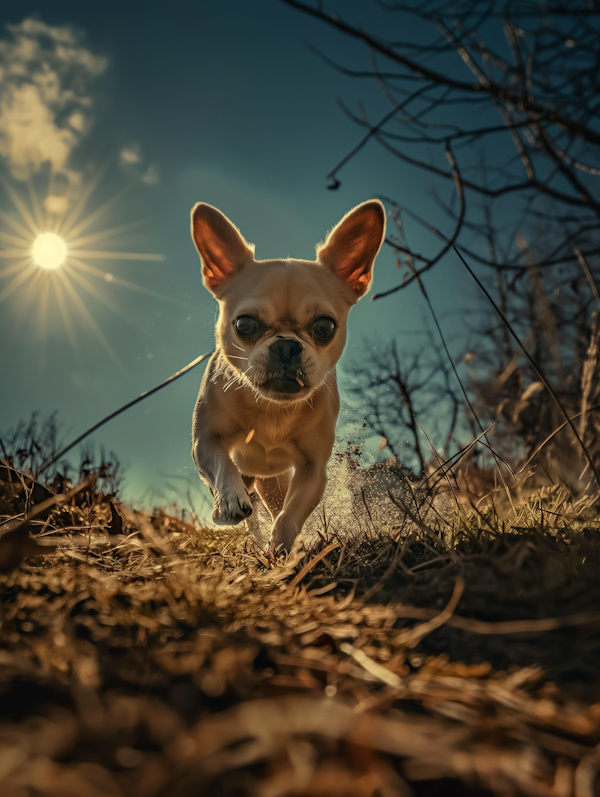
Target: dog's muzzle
x=284 y=366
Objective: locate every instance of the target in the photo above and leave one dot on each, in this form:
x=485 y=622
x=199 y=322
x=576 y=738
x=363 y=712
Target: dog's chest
x=253 y=459
x=265 y=450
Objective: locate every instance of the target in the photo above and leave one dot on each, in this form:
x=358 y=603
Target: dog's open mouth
x=284 y=383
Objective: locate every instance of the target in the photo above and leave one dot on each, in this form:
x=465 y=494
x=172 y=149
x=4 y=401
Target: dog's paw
x=231 y=507
x=283 y=537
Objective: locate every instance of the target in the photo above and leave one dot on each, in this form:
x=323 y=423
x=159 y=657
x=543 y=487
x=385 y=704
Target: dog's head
x=282 y=323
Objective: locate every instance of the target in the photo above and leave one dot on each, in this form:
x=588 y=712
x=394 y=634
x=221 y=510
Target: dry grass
x=141 y=655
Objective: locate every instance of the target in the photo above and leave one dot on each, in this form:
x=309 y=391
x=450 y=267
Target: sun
x=49 y=250
x=46 y=246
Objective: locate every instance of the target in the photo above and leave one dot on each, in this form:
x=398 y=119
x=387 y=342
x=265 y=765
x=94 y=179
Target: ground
x=400 y=652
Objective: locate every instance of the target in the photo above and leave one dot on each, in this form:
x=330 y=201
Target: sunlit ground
x=50 y=246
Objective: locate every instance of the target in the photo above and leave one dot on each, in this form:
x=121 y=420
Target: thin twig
x=114 y=414
x=413 y=636
x=372 y=667
x=308 y=567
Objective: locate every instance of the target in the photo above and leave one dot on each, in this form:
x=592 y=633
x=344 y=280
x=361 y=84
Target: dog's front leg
x=231 y=500
x=305 y=491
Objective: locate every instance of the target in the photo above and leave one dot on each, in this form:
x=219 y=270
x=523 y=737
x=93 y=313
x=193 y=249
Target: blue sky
x=185 y=102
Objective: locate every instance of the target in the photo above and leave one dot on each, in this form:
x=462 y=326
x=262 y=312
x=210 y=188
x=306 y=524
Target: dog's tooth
x=250 y=435
x=300 y=382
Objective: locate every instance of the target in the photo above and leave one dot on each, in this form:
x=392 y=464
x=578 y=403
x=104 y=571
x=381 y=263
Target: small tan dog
x=266 y=412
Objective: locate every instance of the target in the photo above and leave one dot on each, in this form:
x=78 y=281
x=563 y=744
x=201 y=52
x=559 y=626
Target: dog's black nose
x=286 y=351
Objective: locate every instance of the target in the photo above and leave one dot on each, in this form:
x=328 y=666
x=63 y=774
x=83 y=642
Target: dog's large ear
x=221 y=246
x=352 y=246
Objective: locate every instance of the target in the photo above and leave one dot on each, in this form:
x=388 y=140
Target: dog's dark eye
x=246 y=326
x=323 y=329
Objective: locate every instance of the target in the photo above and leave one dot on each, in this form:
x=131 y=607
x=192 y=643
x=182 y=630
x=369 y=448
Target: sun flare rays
x=45 y=246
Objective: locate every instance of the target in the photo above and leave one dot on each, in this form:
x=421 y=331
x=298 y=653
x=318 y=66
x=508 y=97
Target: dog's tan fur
x=265 y=418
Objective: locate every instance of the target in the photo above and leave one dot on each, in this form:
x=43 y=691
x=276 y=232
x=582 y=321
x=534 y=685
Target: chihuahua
x=267 y=408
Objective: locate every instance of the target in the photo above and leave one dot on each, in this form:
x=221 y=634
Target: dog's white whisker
x=328 y=387
x=238 y=347
x=236 y=357
x=244 y=383
x=230 y=383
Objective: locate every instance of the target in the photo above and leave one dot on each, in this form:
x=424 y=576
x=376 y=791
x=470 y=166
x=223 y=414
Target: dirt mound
x=142 y=655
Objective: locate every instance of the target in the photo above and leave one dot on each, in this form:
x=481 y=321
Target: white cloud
x=132 y=163
x=46 y=103
x=151 y=175
x=130 y=155
x=56 y=205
